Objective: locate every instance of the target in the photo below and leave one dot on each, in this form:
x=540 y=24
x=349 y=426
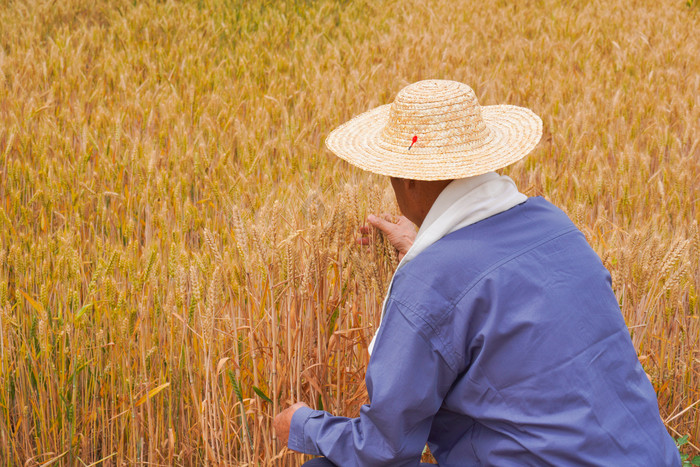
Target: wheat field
x=177 y=247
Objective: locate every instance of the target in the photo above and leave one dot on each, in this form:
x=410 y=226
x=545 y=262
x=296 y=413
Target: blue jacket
x=502 y=345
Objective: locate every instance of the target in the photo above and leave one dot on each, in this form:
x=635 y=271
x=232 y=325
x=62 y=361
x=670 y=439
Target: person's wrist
x=296 y=440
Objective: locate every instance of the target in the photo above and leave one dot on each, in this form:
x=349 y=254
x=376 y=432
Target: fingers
x=381 y=223
x=365 y=237
x=282 y=431
x=283 y=421
x=402 y=227
x=366 y=232
x=400 y=233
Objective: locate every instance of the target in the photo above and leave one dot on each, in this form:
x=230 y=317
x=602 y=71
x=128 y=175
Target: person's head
x=435 y=131
x=415 y=197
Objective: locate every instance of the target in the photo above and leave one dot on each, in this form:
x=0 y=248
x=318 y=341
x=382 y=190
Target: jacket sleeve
x=407 y=380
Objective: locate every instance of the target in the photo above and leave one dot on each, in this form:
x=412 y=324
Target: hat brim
x=513 y=133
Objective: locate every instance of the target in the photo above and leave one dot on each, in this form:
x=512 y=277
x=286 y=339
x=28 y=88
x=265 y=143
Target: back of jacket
x=520 y=308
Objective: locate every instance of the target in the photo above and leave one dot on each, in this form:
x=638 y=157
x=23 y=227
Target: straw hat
x=436 y=130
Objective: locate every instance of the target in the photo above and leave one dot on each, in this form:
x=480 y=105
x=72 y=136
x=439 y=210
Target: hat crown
x=438 y=113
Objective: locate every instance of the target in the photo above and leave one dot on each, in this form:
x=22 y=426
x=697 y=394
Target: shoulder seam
x=436 y=328
x=508 y=259
x=494 y=267
x=405 y=307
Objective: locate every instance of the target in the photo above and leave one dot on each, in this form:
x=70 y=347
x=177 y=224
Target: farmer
x=501 y=341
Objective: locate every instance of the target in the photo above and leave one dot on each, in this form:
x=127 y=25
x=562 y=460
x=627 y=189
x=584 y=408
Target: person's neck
x=425 y=193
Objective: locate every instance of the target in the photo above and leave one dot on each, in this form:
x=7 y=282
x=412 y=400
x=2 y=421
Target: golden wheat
x=177 y=254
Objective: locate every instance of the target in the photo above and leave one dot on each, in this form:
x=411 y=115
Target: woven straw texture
x=454 y=136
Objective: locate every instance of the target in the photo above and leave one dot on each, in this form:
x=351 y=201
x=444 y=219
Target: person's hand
x=401 y=234
x=283 y=420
